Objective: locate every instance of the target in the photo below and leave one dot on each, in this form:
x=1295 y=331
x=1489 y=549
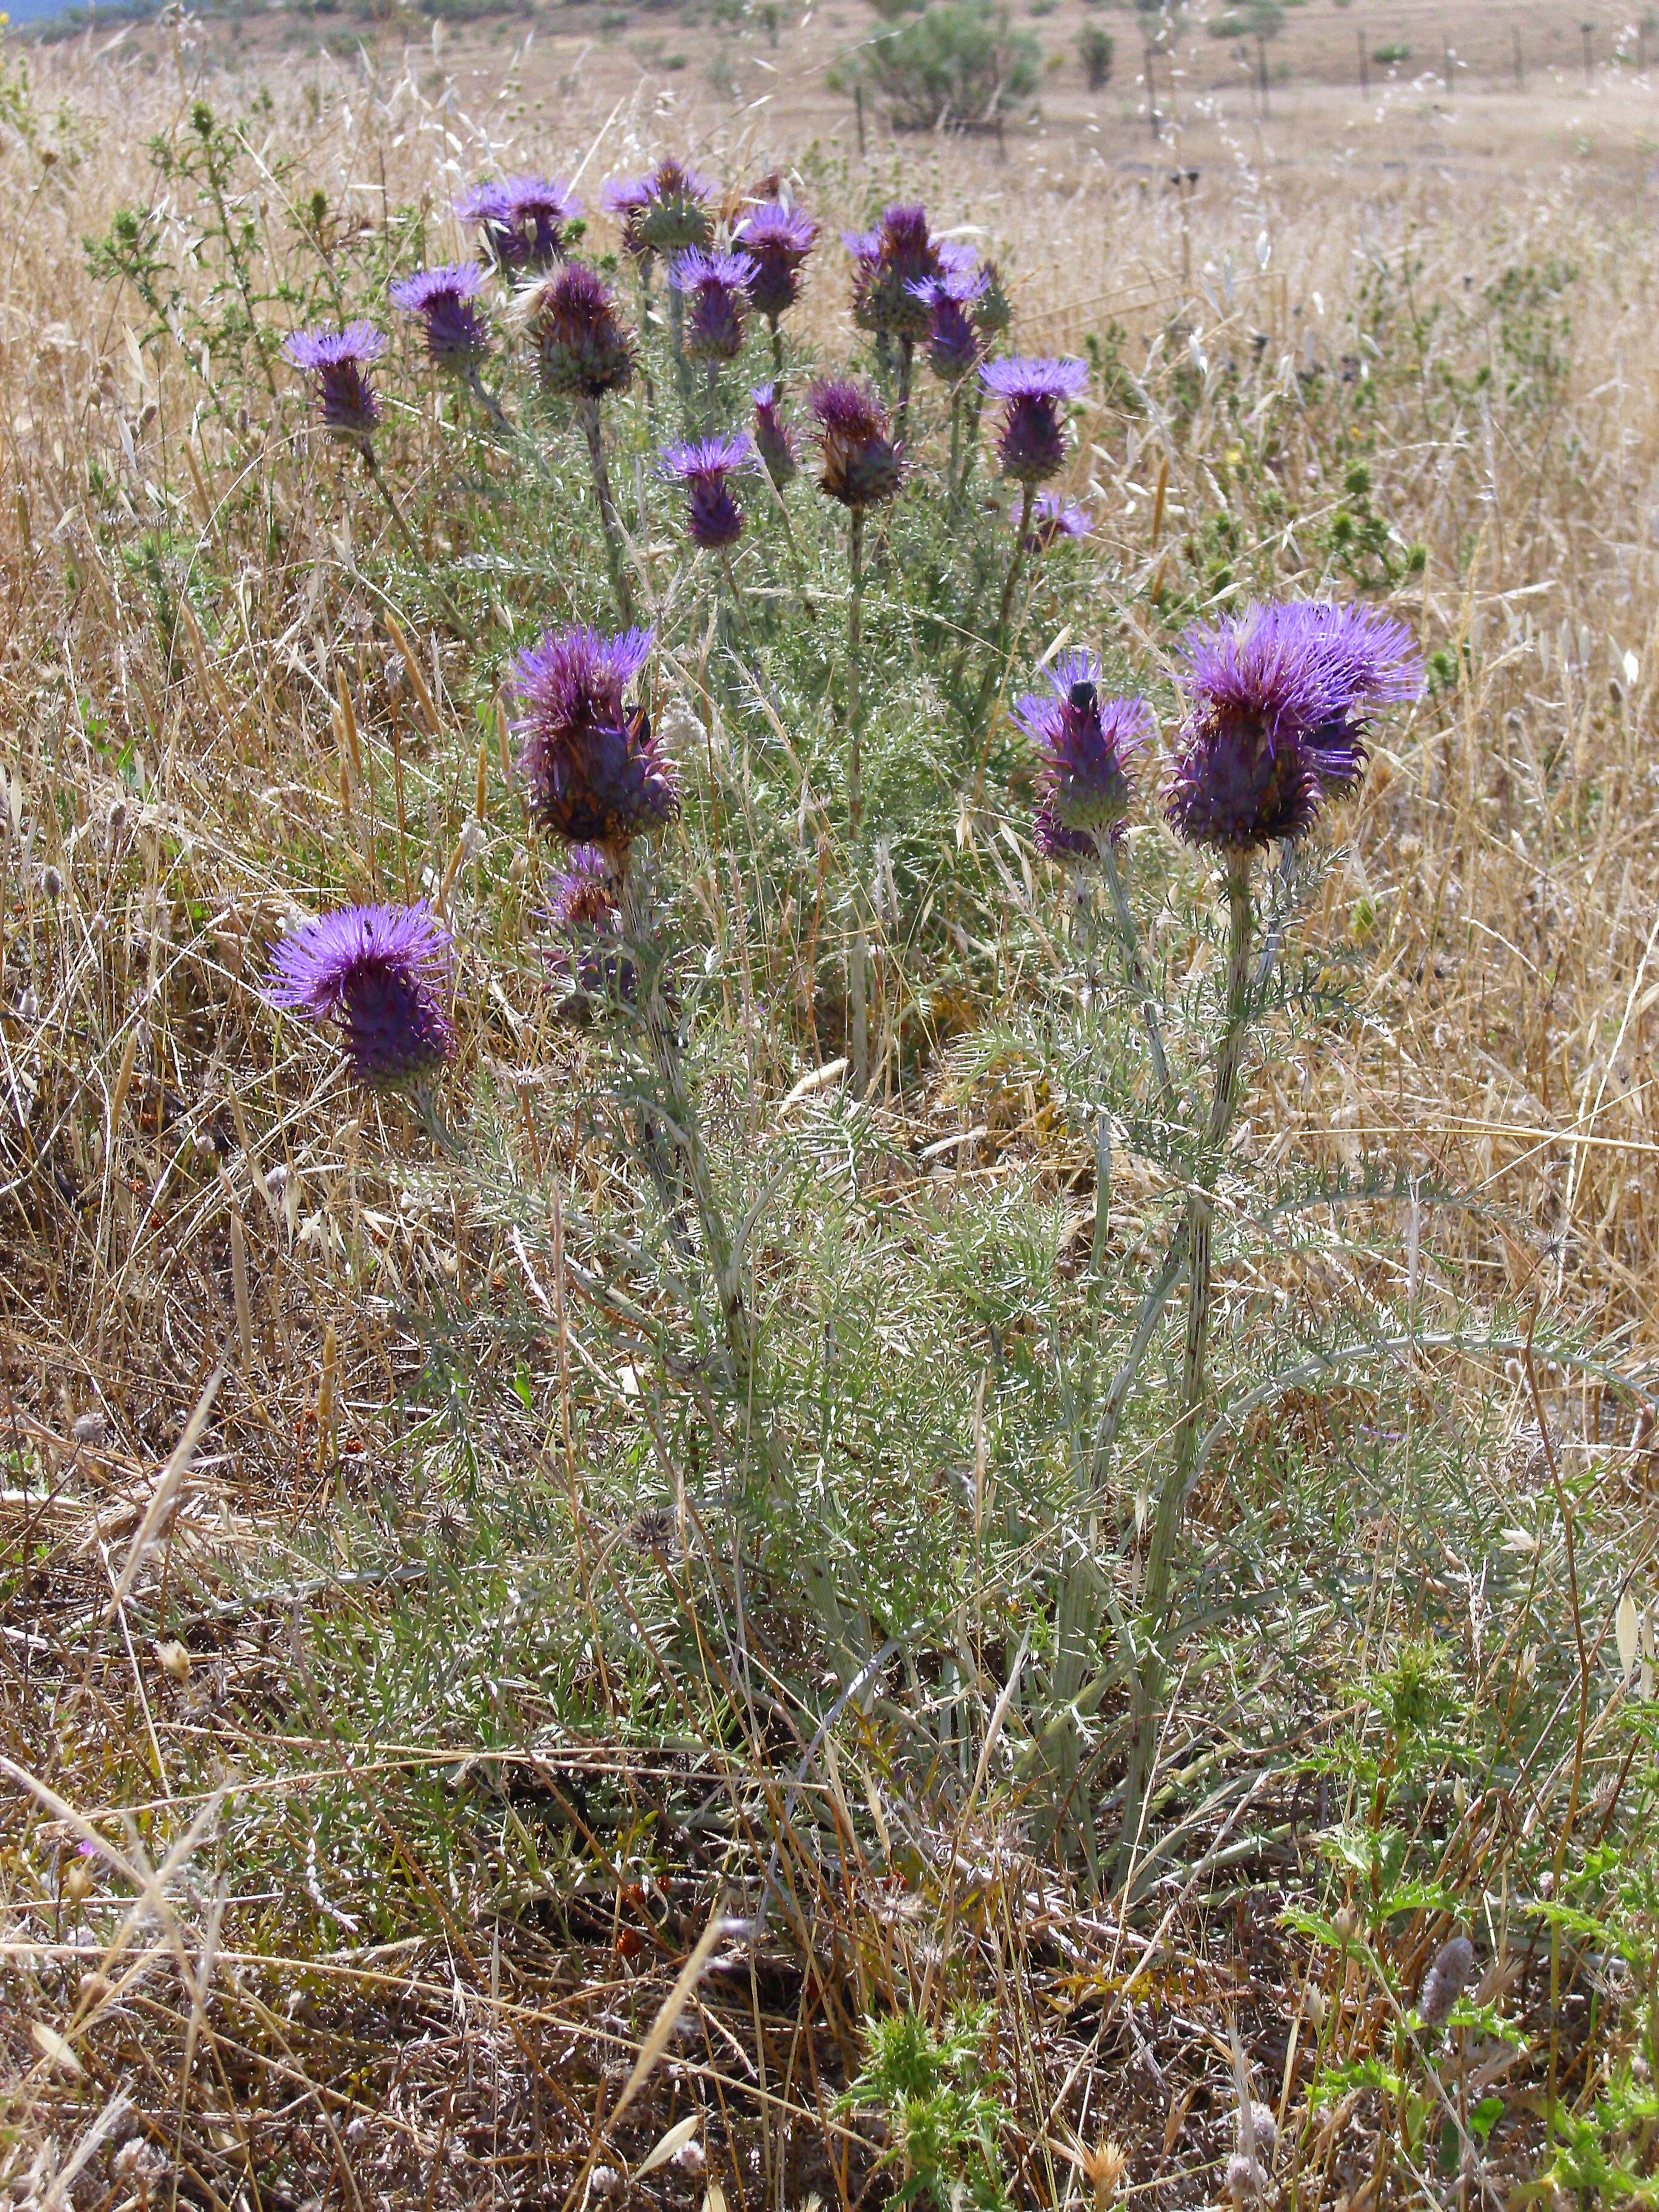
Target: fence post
x=1364 y=62
x=1520 y=73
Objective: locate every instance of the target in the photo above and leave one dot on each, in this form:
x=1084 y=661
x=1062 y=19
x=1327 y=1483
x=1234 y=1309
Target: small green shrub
x=958 y=64
x=1394 y=50
x=1095 y=49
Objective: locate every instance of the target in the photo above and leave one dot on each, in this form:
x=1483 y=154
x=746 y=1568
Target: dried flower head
x=778 y=239
x=1103 y=2169
x=772 y=441
x=1277 y=697
x=1086 y=743
x=1245 y=2179
x=523 y=219
x=585 y=910
x=1032 y=443
x=595 y=773
x=717 y=286
x=704 y=466
x=581 y=346
x=380 y=974
x=338 y=362
x=888 y=262
x=861 y=466
x=661 y=213
x=1054 y=517
x=1452 y=1971
x=457 y=336
x=954 y=349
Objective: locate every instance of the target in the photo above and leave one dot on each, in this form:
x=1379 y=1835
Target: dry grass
x=188 y=1195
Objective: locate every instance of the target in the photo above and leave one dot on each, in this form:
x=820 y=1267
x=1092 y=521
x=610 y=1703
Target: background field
x=414 y=1697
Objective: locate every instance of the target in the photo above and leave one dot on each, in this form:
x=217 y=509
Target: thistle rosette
x=773 y=440
x=338 y=362
x=778 y=239
x=954 y=346
x=1031 y=445
x=457 y=334
x=380 y=974
x=594 y=773
x=888 y=262
x=582 y=349
x=1054 y=518
x=861 y=465
x=705 y=466
x=717 y=286
x=1086 y=744
x=663 y=212
x=523 y=219
x=1277 y=703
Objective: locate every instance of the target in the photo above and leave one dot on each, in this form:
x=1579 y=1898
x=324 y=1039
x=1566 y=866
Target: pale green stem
x=856 y=983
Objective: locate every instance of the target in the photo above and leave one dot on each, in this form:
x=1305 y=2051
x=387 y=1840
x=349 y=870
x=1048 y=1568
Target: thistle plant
x=955 y=345
x=523 y=220
x=664 y=212
x=778 y=239
x=773 y=440
x=1031 y=448
x=717 y=286
x=890 y=263
x=861 y=467
x=1276 y=701
x=583 y=353
x=456 y=328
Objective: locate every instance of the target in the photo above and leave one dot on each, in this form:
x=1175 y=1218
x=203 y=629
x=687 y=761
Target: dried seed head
x=1264 y=2132
x=604 y=2182
x=77 y=1881
x=51 y=882
x=1345 y=1921
x=1103 y=2169
x=1245 y=2179
x=173 y=1660
x=90 y=1428
x=1446 y=1980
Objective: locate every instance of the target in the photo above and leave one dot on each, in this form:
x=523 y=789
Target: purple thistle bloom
x=861 y=465
x=582 y=348
x=456 y=335
x=596 y=774
x=713 y=515
x=1086 y=743
x=889 y=263
x=339 y=360
x=1054 y=518
x=1032 y=445
x=523 y=219
x=779 y=239
x=380 y=973
x=953 y=340
x=585 y=910
x=718 y=285
x=1277 y=698
x=663 y=212
x=772 y=439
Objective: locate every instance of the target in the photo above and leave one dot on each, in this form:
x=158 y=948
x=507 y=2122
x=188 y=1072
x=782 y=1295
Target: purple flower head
x=889 y=263
x=1086 y=744
x=772 y=441
x=596 y=774
x=1277 y=698
x=523 y=218
x=585 y=909
x=456 y=335
x=1032 y=445
x=953 y=340
x=861 y=465
x=339 y=360
x=582 y=347
x=1054 y=518
x=703 y=466
x=993 y=313
x=662 y=213
x=717 y=285
x=380 y=973
x=779 y=239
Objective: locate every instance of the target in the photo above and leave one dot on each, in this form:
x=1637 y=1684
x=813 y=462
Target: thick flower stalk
x=706 y=466
x=445 y=299
x=773 y=439
x=1277 y=701
x=591 y=769
x=778 y=239
x=861 y=468
x=523 y=220
x=380 y=975
x=583 y=353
